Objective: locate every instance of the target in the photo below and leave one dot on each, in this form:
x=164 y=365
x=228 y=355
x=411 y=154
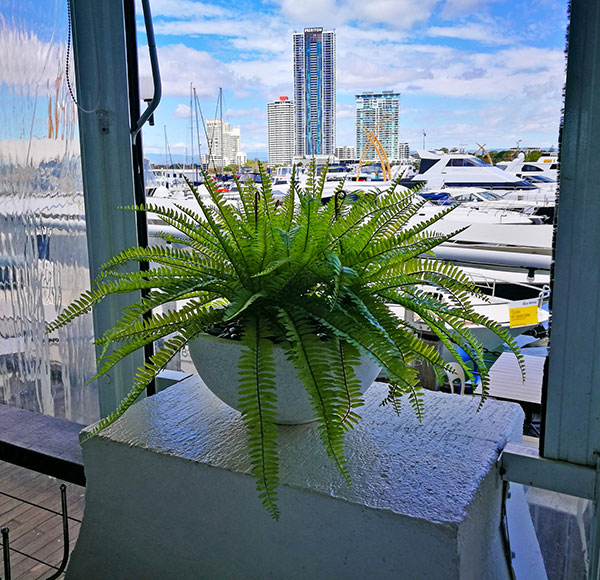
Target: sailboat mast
x=192 y=123
x=221 y=116
x=197 y=133
x=209 y=141
x=166 y=149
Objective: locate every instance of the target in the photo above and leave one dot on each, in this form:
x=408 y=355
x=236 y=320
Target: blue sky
x=469 y=71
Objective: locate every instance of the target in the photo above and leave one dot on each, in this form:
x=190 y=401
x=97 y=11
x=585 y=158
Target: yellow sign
x=523 y=313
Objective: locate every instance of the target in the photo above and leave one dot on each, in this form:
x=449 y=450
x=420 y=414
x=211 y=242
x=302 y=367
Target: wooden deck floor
x=33 y=530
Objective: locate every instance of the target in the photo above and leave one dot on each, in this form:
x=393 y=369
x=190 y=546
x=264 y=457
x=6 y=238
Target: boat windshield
x=490 y=196
x=538 y=179
x=466 y=162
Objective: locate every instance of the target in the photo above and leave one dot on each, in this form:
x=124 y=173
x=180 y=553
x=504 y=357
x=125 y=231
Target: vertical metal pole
x=137 y=154
x=192 y=122
x=107 y=163
x=221 y=117
x=66 y=540
x=6 y=552
x=197 y=135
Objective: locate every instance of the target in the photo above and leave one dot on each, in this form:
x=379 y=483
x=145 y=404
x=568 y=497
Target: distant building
x=227 y=151
x=314 y=92
x=403 y=151
x=280 y=120
x=345 y=153
x=373 y=110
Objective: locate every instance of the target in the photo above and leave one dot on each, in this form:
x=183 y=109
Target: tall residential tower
x=314 y=92
x=224 y=143
x=280 y=119
x=378 y=113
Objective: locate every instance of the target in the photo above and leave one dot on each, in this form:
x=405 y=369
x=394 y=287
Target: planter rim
x=220 y=373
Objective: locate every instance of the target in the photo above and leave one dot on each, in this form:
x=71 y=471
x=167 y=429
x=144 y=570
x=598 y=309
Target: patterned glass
x=43 y=243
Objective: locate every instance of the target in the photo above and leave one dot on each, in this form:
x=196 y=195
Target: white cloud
x=313 y=12
x=463 y=8
x=179 y=147
x=345 y=111
x=180 y=65
x=184 y=9
x=395 y=14
x=182 y=112
x=265 y=74
x=193 y=27
x=272 y=42
x=472 y=31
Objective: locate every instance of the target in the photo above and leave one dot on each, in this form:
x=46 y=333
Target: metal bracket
x=155 y=71
x=103 y=121
x=523 y=464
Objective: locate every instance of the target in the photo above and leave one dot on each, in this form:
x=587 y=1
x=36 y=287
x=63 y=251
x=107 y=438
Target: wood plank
x=34 y=530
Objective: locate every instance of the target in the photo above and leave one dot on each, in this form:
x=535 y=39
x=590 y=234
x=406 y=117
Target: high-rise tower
x=314 y=92
x=378 y=113
x=225 y=151
x=280 y=118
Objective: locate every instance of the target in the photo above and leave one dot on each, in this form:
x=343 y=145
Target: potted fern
x=302 y=293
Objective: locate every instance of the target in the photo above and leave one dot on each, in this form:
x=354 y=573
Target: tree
x=533 y=156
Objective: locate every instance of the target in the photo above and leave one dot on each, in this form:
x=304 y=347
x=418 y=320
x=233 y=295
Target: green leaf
x=258 y=404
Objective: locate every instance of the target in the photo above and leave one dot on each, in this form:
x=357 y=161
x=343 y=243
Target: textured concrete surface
x=169 y=495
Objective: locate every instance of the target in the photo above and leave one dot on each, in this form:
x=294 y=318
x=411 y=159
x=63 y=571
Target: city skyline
x=468 y=73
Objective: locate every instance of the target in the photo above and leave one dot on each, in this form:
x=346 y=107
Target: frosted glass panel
x=43 y=247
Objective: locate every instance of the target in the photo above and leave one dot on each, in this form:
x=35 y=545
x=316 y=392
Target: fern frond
x=258 y=405
x=310 y=355
x=145 y=374
x=348 y=358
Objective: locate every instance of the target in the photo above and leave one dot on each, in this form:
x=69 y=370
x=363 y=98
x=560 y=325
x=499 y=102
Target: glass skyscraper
x=378 y=113
x=314 y=92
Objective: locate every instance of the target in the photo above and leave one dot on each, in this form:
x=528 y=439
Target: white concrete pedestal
x=169 y=495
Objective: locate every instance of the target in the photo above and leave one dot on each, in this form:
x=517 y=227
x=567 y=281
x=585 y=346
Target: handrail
x=155 y=71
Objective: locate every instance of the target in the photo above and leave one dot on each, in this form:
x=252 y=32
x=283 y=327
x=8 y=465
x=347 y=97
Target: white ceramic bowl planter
x=216 y=360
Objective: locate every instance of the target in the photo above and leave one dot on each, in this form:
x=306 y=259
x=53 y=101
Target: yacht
x=450 y=170
x=497 y=309
x=546 y=167
x=538 y=210
x=543 y=174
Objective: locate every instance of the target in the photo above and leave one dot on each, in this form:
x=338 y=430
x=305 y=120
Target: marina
x=89 y=91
